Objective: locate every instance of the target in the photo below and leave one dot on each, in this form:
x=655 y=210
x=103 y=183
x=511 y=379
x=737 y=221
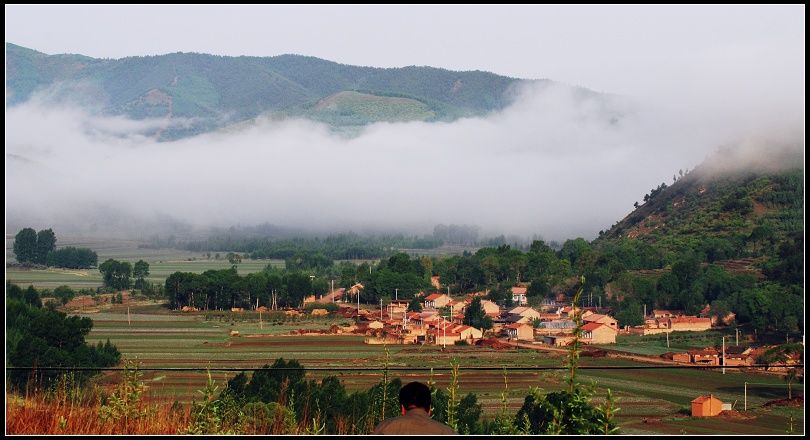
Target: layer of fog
x=550 y=166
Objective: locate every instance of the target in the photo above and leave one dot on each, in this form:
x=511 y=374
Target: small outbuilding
x=706 y=406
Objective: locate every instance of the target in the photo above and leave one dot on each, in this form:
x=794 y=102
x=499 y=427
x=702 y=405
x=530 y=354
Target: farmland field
x=162 y=263
x=175 y=351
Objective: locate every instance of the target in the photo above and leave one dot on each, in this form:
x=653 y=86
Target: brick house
x=737 y=356
x=706 y=356
x=682 y=357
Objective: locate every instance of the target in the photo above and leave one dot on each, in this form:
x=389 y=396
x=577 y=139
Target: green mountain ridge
x=208 y=92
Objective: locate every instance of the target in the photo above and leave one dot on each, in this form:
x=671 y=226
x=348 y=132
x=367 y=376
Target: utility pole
x=444 y=339
x=724 y=355
x=396 y=294
x=333 y=290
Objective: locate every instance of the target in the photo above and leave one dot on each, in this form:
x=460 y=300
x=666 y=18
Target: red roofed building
x=706 y=406
x=598 y=333
x=520 y=331
x=436 y=301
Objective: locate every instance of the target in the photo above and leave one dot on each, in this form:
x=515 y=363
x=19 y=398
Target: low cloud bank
x=552 y=165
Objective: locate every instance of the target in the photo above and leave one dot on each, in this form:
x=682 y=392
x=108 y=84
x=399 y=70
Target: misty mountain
x=748 y=191
x=196 y=93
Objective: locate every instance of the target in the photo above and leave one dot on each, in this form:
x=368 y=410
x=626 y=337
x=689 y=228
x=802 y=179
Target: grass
x=161 y=265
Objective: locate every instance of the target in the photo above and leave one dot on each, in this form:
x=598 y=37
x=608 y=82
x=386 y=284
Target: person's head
x=414 y=395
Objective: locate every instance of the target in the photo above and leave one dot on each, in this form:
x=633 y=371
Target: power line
x=396 y=368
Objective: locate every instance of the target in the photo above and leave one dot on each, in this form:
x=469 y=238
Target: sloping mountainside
x=208 y=92
x=744 y=201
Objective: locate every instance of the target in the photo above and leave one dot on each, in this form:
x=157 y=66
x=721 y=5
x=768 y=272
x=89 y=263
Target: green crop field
x=162 y=263
x=175 y=352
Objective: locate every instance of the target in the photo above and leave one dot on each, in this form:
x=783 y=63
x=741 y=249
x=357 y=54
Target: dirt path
x=639 y=358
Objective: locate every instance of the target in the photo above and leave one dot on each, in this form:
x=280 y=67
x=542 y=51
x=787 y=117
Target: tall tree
x=25 y=245
x=46 y=242
x=116 y=274
x=475 y=316
x=140 y=271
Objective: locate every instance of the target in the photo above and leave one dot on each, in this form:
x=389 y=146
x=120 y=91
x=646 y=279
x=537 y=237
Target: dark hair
x=415 y=394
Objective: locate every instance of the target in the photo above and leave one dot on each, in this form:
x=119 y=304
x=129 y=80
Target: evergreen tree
x=25 y=245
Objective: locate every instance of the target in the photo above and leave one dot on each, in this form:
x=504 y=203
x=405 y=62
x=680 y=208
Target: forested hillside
x=208 y=92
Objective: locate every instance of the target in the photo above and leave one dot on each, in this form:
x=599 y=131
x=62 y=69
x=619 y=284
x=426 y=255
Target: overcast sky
x=701 y=76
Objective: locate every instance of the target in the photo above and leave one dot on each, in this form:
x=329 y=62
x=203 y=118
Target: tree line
x=32 y=247
x=628 y=276
x=42 y=336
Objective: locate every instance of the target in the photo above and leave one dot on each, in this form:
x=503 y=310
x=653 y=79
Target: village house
x=557 y=340
x=519 y=295
x=676 y=324
x=682 y=357
x=397 y=308
x=690 y=324
x=467 y=333
x=598 y=333
x=602 y=319
x=520 y=332
x=491 y=309
x=706 y=356
x=738 y=356
x=524 y=314
x=567 y=312
x=667 y=313
x=457 y=311
x=779 y=366
x=443 y=333
x=436 y=301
